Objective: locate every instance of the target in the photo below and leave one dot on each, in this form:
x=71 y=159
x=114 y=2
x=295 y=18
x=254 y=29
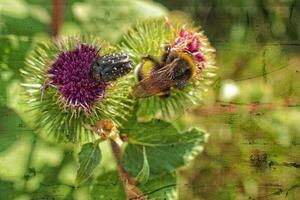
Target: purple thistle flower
x=190 y=42
x=70 y=73
x=62 y=89
x=194 y=45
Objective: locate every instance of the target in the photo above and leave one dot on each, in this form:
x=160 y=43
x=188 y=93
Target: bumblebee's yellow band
x=190 y=60
x=147 y=68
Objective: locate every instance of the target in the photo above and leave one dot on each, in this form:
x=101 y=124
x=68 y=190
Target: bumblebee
x=156 y=77
x=111 y=67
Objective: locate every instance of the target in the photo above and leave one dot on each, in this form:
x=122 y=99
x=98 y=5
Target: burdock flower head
x=65 y=86
x=189 y=41
x=175 y=64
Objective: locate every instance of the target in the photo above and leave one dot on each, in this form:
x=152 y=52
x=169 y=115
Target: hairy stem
x=129 y=183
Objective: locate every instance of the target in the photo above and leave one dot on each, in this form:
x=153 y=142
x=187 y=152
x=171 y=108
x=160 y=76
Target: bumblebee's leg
x=156 y=63
x=167 y=49
x=152 y=59
x=171 y=56
x=181 y=84
x=164 y=94
x=182 y=80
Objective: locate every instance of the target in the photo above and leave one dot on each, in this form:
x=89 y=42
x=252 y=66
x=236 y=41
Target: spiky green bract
x=51 y=112
x=147 y=38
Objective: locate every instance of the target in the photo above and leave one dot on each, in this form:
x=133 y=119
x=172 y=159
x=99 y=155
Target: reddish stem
x=58 y=7
x=222 y=107
x=129 y=183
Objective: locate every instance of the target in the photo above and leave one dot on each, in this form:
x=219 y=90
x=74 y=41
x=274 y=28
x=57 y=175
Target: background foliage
x=252 y=113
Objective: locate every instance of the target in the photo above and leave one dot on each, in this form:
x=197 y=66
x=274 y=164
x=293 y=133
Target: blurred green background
x=252 y=111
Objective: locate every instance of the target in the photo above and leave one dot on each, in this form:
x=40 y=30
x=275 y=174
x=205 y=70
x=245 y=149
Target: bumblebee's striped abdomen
x=145 y=69
x=112 y=67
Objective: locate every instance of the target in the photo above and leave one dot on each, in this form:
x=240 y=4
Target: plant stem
x=129 y=183
x=29 y=161
x=253 y=107
x=58 y=7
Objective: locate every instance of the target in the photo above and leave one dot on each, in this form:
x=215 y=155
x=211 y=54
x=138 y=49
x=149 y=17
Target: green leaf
x=143 y=175
x=160 y=133
x=12 y=127
x=163 y=187
x=13 y=51
x=108 y=186
x=165 y=146
x=89 y=159
x=7 y=189
x=16 y=13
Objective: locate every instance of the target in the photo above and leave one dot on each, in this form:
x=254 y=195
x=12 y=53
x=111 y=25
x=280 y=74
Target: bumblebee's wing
x=150 y=87
x=157 y=83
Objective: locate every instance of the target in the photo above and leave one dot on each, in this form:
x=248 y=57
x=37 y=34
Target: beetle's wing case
x=112 y=66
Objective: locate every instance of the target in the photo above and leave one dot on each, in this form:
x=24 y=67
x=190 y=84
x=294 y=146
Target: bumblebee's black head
x=187 y=63
x=111 y=67
x=182 y=69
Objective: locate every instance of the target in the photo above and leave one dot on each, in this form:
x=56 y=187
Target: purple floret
x=190 y=42
x=71 y=74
